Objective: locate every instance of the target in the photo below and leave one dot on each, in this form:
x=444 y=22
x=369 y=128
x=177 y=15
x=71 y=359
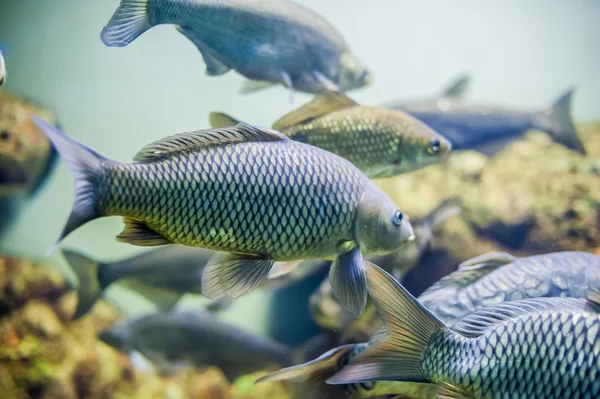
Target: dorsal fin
x=490 y=261
x=219 y=119
x=479 y=321
x=323 y=104
x=242 y=132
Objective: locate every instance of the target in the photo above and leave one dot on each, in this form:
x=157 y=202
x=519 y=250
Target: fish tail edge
x=410 y=330
x=560 y=123
x=91 y=286
x=128 y=22
x=85 y=165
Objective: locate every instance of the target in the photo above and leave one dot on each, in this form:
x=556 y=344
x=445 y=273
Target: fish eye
x=398 y=218
x=434 y=146
x=4 y=135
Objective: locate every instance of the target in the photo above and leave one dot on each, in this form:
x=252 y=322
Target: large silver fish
x=498 y=277
x=269 y=41
x=197 y=339
x=548 y=353
x=378 y=141
x=247 y=191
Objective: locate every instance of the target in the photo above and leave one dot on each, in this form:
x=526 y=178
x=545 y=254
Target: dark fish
x=168 y=273
x=498 y=277
x=247 y=191
x=197 y=339
x=550 y=353
x=269 y=41
x=488 y=129
x=378 y=141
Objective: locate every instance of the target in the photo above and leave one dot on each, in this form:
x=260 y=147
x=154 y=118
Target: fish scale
x=267 y=188
x=504 y=362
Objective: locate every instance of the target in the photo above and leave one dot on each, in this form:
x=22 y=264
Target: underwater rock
x=532 y=197
x=43 y=354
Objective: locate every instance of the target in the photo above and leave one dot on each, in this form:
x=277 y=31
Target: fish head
x=422 y=146
x=353 y=74
x=380 y=226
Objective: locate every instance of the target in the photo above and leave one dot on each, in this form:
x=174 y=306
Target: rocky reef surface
x=45 y=355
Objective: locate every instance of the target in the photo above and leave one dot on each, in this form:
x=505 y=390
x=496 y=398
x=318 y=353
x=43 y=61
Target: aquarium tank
x=261 y=199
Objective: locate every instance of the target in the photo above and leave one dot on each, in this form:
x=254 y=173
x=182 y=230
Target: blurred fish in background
x=378 y=141
x=454 y=91
x=198 y=339
x=488 y=129
x=26 y=156
x=268 y=41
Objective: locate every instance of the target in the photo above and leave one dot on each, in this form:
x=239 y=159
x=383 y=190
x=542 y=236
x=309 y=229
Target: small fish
x=3 y=73
x=267 y=41
x=488 y=129
x=327 y=312
x=498 y=277
x=197 y=339
x=378 y=141
x=249 y=192
x=551 y=353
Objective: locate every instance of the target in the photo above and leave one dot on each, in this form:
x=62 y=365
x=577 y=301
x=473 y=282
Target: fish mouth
x=12 y=173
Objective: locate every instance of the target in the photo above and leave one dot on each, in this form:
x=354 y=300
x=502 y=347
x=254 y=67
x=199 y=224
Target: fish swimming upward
x=548 y=353
x=378 y=141
x=488 y=129
x=249 y=192
x=267 y=41
x=198 y=339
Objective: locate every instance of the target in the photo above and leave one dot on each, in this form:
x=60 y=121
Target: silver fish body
x=249 y=192
x=495 y=280
x=274 y=41
x=539 y=354
x=197 y=339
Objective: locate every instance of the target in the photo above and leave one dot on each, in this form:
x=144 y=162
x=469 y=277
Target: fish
x=311 y=376
x=27 y=158
x=3 y=73
x=248 y=192
x=378 y=141
x=498 y=277
x=550 y=353
x=327 y=312
x=267 y=41
x=197 y=339
x=488 y=128
x=162 y=275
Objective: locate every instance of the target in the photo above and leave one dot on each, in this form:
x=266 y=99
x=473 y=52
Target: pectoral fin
x=139 y=233
x=233 y=275
x=214 y=65
x=349 y=282
x=252 y=86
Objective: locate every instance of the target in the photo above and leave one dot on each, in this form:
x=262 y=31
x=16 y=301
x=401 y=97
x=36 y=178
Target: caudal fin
x=128 y=22
x=312 y=375
x=410 y=326
x=85 y=164
x=90 y=287
x=557 y=122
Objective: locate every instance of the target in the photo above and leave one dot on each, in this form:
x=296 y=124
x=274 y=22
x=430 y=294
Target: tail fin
x=85 y=164
x=312 y=375
x=128 y=22
x=90 y=286
x=410 y=326
x=446 y=209
x=557 y=122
